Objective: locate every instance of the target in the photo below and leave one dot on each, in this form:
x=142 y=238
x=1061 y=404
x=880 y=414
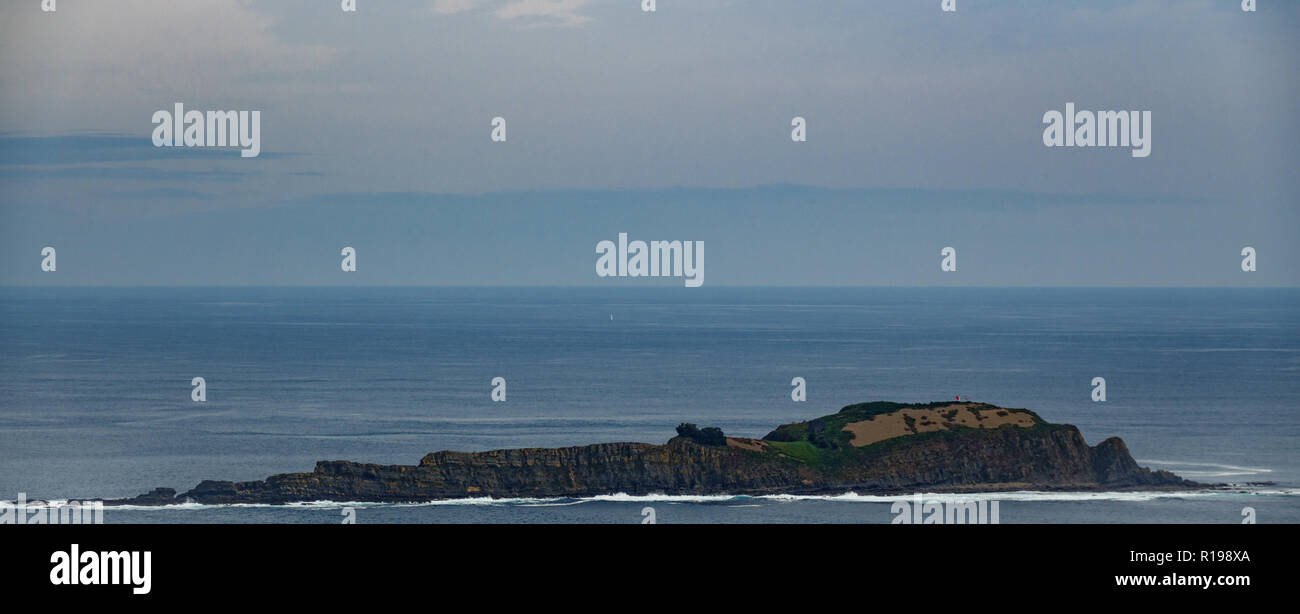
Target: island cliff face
x=865 y=448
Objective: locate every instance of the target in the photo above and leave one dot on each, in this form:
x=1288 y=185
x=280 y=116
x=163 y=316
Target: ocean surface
x=95 y=387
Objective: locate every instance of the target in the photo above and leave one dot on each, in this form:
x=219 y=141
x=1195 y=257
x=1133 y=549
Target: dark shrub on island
x=708 y=436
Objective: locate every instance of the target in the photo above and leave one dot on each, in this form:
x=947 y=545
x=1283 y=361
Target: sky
x=924 y=131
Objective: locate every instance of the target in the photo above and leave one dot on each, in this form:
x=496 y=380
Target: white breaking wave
x=751 y=500
x=1193 y=470
x=1042 y=496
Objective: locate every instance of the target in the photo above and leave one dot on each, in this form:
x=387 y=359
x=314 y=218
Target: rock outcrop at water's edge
x=865 y=448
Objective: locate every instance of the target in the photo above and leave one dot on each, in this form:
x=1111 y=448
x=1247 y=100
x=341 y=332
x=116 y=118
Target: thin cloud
x=536 y=12
x=448 y=7
x=122 y=46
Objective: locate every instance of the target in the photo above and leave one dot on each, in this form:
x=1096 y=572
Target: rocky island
x=878 y=447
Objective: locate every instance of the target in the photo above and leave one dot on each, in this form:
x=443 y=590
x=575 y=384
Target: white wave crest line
x=1213 y=474
x=1236 y=469
x=849 y=497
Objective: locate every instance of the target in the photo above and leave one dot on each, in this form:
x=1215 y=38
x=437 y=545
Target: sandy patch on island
x=746 y=444
x=895 y=424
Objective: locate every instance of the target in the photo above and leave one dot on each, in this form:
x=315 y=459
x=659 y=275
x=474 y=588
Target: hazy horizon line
x=656 y=286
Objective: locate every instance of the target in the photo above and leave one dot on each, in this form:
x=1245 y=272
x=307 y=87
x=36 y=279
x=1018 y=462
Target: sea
x=96 y=388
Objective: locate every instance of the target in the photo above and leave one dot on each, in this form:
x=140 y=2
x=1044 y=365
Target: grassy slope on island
x=824 y=442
